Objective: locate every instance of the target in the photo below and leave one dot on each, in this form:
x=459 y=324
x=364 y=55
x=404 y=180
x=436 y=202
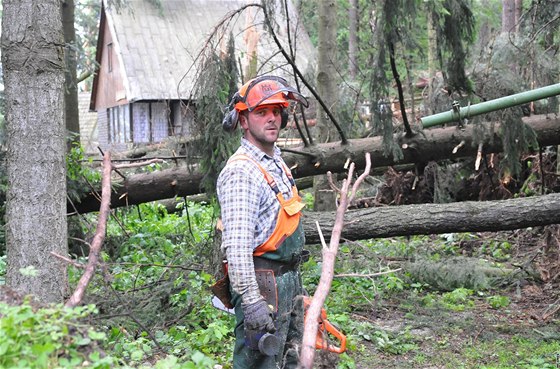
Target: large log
x=433 y=144
x=468 y=216
x=429 y=145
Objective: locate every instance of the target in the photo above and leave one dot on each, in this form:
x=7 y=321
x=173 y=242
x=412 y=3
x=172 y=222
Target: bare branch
x=311 y=324
x=68 y=260
x=358 y=275
x=139 y=164
x=95 y=248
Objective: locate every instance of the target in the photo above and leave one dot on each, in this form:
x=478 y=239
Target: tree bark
x=72 y=115
x=434 y=144
x=325 y=198
x=508 y=16
x=353 y=38
x=468 y=216
x=33 y=61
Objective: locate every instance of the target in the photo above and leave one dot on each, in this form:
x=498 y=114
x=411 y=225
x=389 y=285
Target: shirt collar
x=258 y=153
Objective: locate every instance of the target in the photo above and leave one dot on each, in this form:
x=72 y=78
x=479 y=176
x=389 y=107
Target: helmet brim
x=280 y=96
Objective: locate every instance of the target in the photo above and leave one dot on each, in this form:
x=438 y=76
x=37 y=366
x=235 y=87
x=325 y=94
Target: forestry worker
x=262 y=237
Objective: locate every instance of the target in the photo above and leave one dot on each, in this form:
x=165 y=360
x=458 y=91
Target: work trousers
x=288 y=319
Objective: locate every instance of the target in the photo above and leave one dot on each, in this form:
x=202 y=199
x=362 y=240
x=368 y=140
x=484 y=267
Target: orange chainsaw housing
x=325 y=328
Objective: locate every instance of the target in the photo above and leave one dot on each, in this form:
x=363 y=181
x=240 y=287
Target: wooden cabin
x=146 y=53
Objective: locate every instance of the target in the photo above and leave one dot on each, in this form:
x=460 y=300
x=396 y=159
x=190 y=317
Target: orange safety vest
x=288 y=215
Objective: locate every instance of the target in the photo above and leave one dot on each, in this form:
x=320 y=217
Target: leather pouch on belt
x=221 y=289
x=267 y=286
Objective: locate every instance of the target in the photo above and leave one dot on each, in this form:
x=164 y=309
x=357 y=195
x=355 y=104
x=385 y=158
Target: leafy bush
x=49 y=337
x=458 y=300
x=498 y=301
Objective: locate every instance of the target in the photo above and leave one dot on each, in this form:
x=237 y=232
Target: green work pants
x=288 y=320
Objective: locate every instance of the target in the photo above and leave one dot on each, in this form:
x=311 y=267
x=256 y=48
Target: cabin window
x=119 y=124
x=141 y=122
x=110 y=57
x=150 y=121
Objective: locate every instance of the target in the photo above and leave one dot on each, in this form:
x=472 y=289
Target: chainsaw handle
x=323 y=344
x=325 y=327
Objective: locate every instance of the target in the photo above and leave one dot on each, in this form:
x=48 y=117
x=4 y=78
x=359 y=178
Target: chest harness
x=289 y=213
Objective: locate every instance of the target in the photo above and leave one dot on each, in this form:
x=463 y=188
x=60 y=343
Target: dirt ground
x=524 y=334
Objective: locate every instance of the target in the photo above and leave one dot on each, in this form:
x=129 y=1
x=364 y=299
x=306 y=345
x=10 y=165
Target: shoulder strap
x=271 y=182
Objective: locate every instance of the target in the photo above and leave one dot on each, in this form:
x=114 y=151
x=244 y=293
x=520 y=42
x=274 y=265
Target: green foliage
x=79 y=173
x=48 y=337
x=455 y=31
x=158 y=275
x=387 y=342
x=498 y=301
x=3 y=268
x=451 y=273
x=216 y=84
x=516 y=353
x=458 y=299
x=308 y=199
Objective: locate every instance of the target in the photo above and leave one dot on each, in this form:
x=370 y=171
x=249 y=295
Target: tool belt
x=221 y=288
x=280 y=267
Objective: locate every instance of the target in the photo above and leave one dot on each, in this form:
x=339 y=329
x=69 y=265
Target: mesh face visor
x=275 y=96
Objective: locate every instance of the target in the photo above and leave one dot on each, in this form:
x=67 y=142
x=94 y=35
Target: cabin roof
x=157 y=46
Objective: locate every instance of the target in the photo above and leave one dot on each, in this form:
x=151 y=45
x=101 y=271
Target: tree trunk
x=518 y=13
x=508 y=16
x=33 y=61
x=468 y=216
x=353 y=38
x=325 y=198
x=432 y=53
x=72 y=115
x=434 y=144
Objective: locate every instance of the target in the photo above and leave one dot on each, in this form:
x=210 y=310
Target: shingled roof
x=157 y=46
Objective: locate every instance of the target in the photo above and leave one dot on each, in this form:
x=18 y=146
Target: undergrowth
x=149 y=305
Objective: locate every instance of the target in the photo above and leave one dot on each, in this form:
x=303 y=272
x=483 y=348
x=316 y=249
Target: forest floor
x=513 y=325
x=515 y=336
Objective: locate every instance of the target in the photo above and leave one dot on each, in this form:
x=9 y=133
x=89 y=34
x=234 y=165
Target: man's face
x=262 y=126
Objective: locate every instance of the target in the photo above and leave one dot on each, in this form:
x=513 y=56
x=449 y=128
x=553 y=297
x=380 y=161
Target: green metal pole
x=488 y=106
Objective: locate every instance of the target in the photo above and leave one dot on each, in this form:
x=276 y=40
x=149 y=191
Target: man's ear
x=243 y=120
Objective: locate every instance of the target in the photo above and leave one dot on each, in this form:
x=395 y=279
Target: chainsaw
x=324 y=331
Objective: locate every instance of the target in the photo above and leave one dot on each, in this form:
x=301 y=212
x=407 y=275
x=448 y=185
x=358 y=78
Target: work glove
x=258 y=317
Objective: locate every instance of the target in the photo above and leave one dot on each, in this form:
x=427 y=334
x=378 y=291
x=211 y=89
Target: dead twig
x=138 y=164
x=329 y=255
x=551 y=310
x=359 y=275
x=68 y=260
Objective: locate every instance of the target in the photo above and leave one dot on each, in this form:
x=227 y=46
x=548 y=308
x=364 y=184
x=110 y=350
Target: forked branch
x=329 y=255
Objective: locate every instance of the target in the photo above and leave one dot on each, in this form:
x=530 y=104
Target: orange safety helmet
x=263 y=90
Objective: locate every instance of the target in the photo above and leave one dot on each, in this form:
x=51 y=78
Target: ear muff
x=284 y=115
x=231 y=117
x=229 y=123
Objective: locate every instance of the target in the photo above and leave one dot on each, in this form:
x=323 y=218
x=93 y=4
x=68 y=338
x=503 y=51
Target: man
x=262 y=236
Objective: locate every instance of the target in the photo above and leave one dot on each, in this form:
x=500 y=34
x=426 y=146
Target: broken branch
x=311 y=323
x=97 y=242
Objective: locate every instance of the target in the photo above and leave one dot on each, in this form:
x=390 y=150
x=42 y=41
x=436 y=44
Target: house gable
x=147 y=56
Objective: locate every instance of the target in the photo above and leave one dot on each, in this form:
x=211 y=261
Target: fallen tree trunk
x=468 y=216
x=433 y=144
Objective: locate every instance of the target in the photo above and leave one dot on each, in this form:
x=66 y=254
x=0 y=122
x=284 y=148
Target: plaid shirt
x=249 y=209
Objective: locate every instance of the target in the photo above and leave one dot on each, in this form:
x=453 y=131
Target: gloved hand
x=258 y=317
